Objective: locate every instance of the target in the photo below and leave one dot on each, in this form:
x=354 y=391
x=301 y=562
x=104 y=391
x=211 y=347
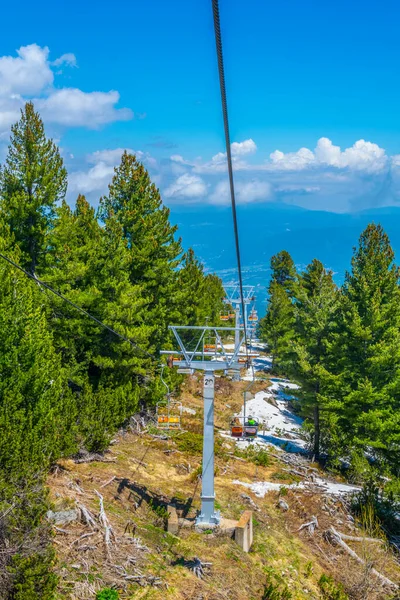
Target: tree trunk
x=317 y=432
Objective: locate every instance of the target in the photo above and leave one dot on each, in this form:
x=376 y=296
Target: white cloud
x=292 y=161
x=218 y=163
x=95 y=179
x=68 y=59
x=108 y=157
x=72 y=107
x=186 y=186
x=326 y=178
x=246 y=192
x=29 y=76
x=28 y=73
x=362 y=156
x=241 y=148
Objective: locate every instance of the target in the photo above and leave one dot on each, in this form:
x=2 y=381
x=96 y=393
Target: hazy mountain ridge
x=269 y=228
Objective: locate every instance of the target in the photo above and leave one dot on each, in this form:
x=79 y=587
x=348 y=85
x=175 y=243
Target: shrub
x=258 y=456
x=275 y=587
x=107 y=594
x=330 y=590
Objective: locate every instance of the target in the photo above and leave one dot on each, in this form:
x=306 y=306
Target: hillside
x=142 y=474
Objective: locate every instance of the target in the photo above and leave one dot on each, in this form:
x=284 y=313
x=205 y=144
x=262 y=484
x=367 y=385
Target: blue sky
x=142 y=76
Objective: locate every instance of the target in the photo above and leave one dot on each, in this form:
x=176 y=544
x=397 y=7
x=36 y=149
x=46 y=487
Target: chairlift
x=168 y=412
x=253 y=317
x=245 y=426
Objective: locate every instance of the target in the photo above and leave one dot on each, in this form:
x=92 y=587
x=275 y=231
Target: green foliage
x=315 y=304
x=258 y=456
x=330 y=590
x=284 y=272
x=343 y=348
x=277 y=327
x=377 y=505
x=367 y=348
x=275 y=588
x=65 y=381
x=107 y=594
x=32 y=181
x=134 y=203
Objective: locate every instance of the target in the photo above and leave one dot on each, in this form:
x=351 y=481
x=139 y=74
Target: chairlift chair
x=237 y=429
x=250 y=429
x=253 y=317
x=169 y=414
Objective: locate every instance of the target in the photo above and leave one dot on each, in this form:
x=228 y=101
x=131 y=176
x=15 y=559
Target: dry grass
x=151 y=473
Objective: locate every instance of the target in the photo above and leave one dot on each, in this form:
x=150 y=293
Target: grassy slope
x=149 y=473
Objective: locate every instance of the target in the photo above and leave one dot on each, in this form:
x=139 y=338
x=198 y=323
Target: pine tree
x=36 y=407
x=315 y=309
x=368 y=346
x=284 y=272
x=134 y=202
x=37 y=423
x=32 y=181
x=277 y=327
x=71 y=269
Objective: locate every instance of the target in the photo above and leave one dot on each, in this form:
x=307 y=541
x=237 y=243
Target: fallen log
x=354 y=538
x=334 y=537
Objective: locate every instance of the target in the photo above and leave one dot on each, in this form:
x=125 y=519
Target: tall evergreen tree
x=154 y=253
x=315 y=308
x=277 y=327
x=32 y=181
x=368 y=346
x=71 y=269
x=284 y=272
x=37 y=424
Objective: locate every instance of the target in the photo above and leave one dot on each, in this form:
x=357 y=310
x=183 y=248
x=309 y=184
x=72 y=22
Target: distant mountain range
x=267 y=228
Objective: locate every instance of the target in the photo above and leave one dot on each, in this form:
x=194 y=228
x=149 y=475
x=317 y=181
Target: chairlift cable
x=218 y=41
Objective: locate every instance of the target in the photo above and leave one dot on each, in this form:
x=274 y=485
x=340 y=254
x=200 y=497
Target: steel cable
x=218 y=41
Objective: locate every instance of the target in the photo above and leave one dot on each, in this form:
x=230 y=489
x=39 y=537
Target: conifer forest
x=69 y=385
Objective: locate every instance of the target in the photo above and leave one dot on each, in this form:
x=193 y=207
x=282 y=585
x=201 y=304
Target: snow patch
x=260 y=488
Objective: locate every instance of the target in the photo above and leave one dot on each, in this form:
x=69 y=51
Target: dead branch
x=63 y=531
x=93 y=458
x=197 y=567
x=137 y=542
x=108 y=482
x=334 y=537
x=108 y=530
x=353 y=538
x=87 y=516
x=82 y=537
x=74 y=486
x=311 y=525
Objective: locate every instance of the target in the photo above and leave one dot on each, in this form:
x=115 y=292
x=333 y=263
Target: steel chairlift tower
x=234 y=298
x=207 y=359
